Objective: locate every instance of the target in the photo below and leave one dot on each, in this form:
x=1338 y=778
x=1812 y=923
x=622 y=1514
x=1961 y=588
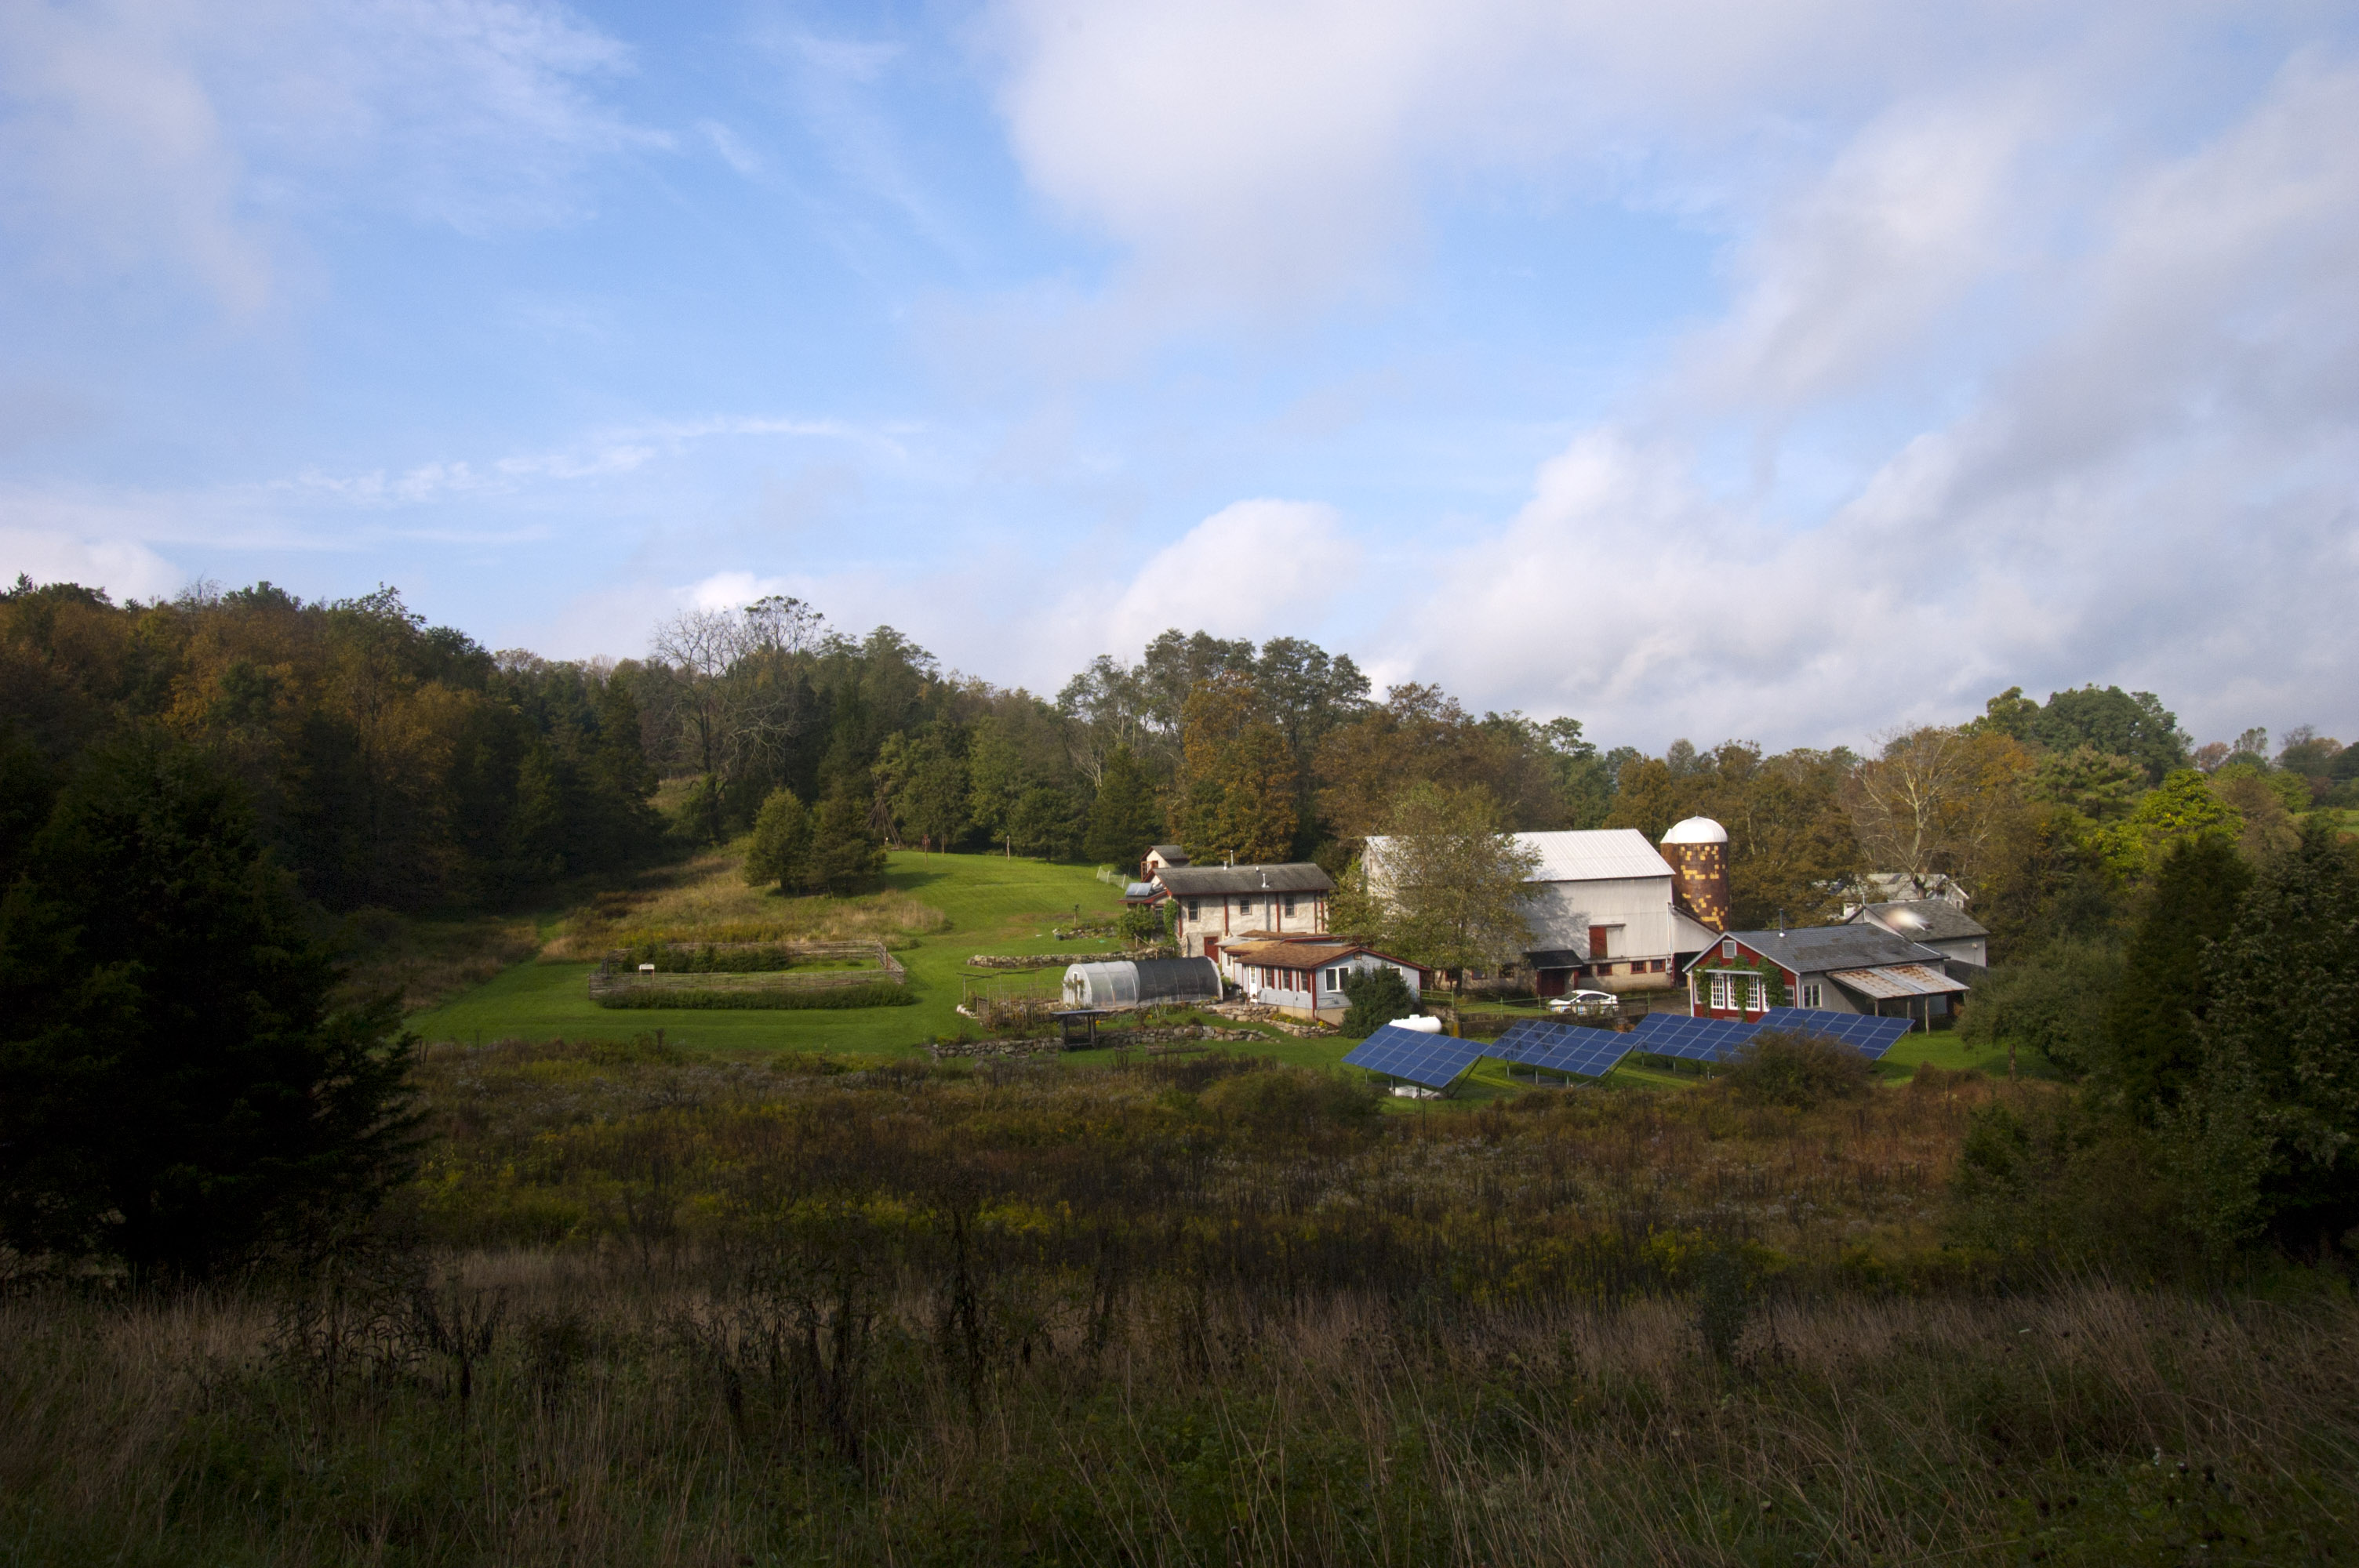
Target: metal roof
x=1603 y=854
x=1897 y=980
x=1923 y=920
x=1171 y=852
x=1206 y=882
x=1599 y=854
x=1814 y=949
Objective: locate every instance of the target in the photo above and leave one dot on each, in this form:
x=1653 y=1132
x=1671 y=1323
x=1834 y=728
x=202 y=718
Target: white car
x=1586 y=1004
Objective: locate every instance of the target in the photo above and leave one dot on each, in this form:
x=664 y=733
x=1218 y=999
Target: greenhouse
x=1142 y=982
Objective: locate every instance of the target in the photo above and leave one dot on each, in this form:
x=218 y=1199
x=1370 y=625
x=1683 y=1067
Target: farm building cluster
x=1607 y=911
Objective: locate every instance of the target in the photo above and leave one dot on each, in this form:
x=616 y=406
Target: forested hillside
x=395 y=763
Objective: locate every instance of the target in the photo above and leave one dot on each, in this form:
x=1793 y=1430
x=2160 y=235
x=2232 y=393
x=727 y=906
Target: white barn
x=1603 y=909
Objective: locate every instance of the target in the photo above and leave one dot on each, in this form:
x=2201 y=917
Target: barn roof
x=1600 y=854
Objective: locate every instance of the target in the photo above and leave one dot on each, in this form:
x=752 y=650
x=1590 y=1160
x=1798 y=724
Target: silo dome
x=1697 y=830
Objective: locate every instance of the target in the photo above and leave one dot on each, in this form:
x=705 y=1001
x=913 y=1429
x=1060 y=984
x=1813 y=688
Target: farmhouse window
x=1290 y=904
x=1719 y=989
x=1334 y=980
x=1195 y=911
x=1728 y=948
x=1757 y=995
x=1811 y=994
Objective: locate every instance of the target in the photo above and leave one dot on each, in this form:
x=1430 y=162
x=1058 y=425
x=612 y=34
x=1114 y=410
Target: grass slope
x=993 y=905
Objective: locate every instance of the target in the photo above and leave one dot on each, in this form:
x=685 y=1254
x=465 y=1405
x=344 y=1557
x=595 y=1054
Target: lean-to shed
x=1142 y=982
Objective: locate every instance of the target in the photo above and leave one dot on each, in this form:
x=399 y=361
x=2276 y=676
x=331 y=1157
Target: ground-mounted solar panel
x=1864 y=1031
x=1691 y=1039
x=1432 y=1061
x=1560 y=1048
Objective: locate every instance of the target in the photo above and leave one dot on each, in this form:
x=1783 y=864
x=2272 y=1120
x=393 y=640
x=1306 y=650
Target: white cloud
x=124 y=568
x=2155 y=480
x=157 y=134
x=1255 y=569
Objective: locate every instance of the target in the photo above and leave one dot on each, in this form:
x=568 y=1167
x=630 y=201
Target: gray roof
x=1814 y=949
x=1215 y=882
x=1169 y=851
x=1923 y=920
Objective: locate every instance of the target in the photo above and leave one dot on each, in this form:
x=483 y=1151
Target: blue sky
x=1791 y=368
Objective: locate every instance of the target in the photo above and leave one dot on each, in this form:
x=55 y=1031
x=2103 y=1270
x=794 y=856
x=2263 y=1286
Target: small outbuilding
x=1303 y=977
x=1826 y=969
x=1141 y=982
x=1932 y=923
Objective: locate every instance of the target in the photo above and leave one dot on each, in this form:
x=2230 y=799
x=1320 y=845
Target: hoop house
x=1142 y=982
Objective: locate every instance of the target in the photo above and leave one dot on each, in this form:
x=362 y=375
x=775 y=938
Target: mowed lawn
x=994 y=905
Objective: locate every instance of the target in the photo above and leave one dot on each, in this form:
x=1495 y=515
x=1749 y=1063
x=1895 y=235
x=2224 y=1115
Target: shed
x=1932 y=923
x=1141 y=982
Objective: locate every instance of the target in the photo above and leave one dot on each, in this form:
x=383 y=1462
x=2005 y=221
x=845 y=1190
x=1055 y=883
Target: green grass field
x=994 y=905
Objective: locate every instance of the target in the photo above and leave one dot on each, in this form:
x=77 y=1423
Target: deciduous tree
x=1451 y=882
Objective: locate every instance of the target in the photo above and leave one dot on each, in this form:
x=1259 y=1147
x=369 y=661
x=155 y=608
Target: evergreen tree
x=780 y=854
x=1378 y=997
x=177 y=1088
x=1126 y=816
x=623 y=822
x=2268 y=1138
x=1046 y=823
x=2151 y=1055
x=844 y=853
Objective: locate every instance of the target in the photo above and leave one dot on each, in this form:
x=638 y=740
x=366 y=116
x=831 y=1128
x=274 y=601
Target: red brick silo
x=1698 y=852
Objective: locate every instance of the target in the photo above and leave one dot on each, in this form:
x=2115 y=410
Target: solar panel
x=1434 y=1061
x=1691 y=1039
x=1560 y=1048
x=1870 y=1035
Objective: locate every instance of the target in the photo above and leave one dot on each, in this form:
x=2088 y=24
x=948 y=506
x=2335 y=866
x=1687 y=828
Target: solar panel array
x=1870 y=1035
x=1560 y=1048
x=1691 y=1039
x=1434 y=1061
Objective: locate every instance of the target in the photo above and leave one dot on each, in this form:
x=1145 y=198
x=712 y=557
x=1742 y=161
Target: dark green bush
x=1780 y=1067
x=1378 y=997
x=884 y=994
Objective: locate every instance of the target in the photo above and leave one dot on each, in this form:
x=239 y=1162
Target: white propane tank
x=1423 y=1024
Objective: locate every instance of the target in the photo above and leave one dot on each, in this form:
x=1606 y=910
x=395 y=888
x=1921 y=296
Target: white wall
x=1561 y=913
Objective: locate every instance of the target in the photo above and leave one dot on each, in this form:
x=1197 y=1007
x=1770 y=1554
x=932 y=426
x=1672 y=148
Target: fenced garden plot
x=751 y=974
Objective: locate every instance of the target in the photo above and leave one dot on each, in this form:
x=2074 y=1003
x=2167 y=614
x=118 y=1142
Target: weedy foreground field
x=646 y=1306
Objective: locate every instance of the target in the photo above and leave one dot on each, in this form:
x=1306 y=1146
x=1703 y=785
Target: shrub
x=1780 y=1067
x=1293 y=1102
x=1378 y=997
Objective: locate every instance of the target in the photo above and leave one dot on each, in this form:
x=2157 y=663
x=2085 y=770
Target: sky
x=1785 y=370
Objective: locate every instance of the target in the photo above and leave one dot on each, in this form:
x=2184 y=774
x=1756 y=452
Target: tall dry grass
x=719 y=1409
x=705 y=899
x=642 y=1307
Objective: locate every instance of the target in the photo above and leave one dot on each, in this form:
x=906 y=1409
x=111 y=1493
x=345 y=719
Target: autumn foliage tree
x=1237 y=785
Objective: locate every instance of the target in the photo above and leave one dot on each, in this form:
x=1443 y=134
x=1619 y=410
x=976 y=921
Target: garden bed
x=752 y=975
